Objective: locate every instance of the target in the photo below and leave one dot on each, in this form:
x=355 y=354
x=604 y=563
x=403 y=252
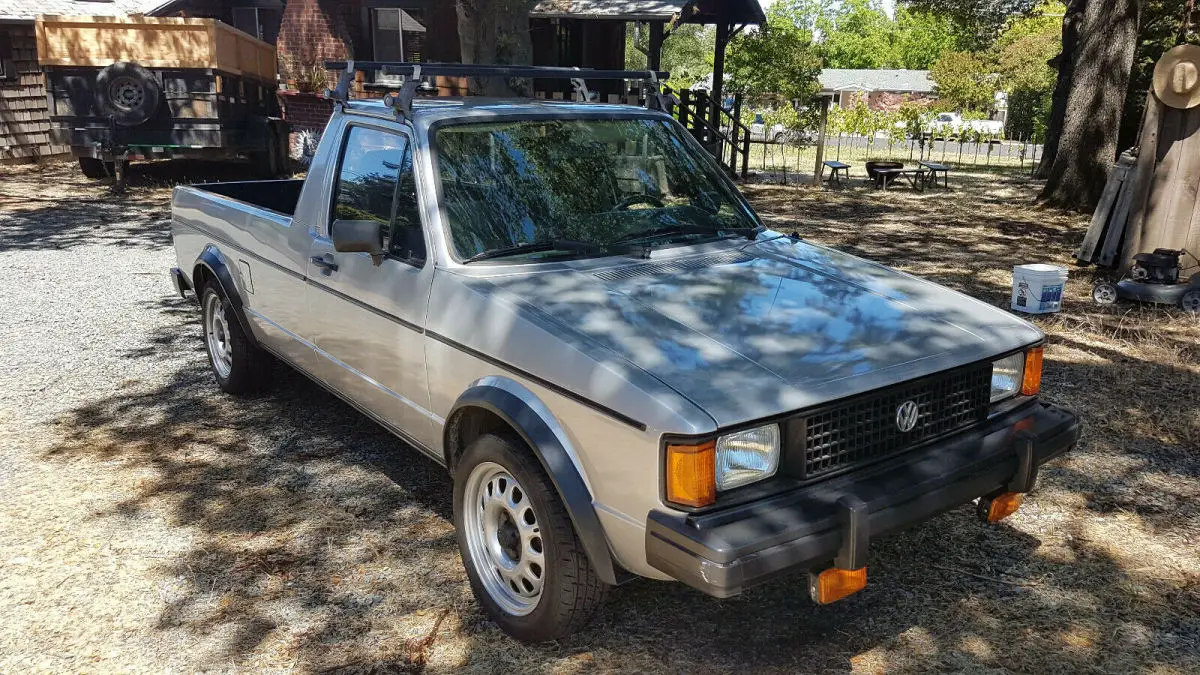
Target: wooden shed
x=1152 y=198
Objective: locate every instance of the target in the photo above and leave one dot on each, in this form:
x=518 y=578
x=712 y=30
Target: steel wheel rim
x=126 y=93
x=216 y=333
x=504 y=539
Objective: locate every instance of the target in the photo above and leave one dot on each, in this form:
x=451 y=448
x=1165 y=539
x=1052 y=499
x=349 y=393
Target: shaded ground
x=151 y=523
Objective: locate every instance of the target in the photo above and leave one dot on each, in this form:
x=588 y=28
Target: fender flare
x=214 y=262
x=519 y=412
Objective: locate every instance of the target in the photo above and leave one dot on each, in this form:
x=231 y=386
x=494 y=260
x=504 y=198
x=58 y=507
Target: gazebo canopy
x=689 y=11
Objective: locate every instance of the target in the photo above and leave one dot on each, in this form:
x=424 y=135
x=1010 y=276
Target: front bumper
x=724 y=552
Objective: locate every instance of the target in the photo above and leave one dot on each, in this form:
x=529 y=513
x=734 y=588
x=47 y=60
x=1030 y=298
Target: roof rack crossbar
x=481 y=70
x=413 y=72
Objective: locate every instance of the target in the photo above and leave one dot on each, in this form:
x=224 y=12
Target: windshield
x=592 y=183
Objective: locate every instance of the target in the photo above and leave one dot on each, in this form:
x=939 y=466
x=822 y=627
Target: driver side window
x=375 y=182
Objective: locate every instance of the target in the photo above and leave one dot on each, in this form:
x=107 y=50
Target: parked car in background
x=760 y=131
x=953 y=123
x=573 y=309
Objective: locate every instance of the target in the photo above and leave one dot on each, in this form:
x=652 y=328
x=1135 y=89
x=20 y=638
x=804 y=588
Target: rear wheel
x=238 y=366
x=1104 y=293
x=1190 y=301
x=526 y=565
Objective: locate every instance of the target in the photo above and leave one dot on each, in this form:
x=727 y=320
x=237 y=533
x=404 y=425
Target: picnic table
x=885 y=176
x=834 y=168
x=934 y=169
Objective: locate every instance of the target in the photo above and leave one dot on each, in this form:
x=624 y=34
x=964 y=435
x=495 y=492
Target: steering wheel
x=638 y=199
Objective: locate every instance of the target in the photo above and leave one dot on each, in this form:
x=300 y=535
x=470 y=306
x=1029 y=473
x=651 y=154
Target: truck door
x=368 y=318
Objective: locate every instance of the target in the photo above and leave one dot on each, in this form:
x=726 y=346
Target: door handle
x=323 y=263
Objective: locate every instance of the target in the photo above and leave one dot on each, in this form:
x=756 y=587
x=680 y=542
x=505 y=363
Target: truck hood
x=770 y=327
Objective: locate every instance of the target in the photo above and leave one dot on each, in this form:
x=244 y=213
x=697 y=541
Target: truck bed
x=279 y=196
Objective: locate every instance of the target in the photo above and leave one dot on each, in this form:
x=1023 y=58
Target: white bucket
x=1038 y=289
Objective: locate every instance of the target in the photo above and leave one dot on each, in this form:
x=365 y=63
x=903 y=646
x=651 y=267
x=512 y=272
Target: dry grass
x=162 y=525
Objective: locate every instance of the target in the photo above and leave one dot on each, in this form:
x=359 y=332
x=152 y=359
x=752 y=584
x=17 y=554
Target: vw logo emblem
x=906 y=416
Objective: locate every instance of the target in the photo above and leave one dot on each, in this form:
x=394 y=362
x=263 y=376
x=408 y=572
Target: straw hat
x=1177 y=77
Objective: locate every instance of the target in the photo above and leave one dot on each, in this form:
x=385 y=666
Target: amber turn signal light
x=1032 y=383
x=998 y=508
x=834 y=584
x=692 y=474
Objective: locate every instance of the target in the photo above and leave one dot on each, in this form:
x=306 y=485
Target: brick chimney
x=310 y=32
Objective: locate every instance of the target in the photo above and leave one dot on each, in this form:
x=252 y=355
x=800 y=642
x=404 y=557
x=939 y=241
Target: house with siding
x=879 y=89
x=24 y=120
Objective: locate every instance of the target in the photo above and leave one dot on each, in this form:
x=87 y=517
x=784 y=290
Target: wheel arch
x=498 y=404
x=212 y=265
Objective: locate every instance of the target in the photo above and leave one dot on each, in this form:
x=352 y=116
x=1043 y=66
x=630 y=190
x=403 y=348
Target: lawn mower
x=1154 y=277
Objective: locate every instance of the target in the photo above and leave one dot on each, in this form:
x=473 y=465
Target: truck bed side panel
x=265 y=255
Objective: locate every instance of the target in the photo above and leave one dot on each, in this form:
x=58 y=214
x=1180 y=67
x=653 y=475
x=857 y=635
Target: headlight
x=747 y=456
x=1007 y=376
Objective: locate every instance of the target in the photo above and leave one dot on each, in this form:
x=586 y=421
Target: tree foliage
x=778 y=61
x=964 y=80
x=979 y=22
x=1022 y=56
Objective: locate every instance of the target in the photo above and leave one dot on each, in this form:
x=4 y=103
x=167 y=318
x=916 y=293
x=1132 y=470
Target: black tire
x=94 y=168
x=571 y=591
x=267 y=161
x=247 y=366
x=128 y=93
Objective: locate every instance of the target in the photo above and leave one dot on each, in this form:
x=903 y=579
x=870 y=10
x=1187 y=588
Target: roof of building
x=28 y=10
x=843 y=79
x=692 y=11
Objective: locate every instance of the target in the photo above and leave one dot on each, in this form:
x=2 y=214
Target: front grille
x=864 y=428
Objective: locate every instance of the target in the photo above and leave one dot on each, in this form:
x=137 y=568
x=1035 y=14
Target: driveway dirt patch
x=151 y=523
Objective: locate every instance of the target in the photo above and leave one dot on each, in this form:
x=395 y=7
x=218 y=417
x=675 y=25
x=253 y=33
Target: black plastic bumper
x=180 y=281
x=724 y=552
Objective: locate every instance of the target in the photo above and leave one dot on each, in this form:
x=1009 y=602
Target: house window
x=398 y=35
x=261 y=22
x=8 y=70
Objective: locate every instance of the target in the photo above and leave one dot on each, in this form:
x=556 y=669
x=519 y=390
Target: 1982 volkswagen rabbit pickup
x=573 y=309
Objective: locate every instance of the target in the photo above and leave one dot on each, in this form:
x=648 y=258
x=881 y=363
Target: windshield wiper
x=678 y=230
x=536 y=246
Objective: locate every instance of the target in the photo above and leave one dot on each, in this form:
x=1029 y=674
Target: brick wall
x=891 y=100
x=24 y=119
x=310 y=32
x=305 y=111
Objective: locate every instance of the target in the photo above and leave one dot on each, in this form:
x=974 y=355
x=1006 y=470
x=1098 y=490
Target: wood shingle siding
x=24 y=122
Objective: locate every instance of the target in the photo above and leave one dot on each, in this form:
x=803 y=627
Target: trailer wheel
x=267 y=162
x=95 y=168
x=128 y=93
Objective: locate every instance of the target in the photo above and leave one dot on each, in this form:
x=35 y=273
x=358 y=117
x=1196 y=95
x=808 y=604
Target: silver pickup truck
x=573 y=309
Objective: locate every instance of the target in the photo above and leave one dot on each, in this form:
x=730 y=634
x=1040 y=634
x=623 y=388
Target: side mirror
x=358 y=236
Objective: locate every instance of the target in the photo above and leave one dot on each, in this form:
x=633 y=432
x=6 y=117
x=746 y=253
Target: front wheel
x=1190 y=301
x=526 y=565
x=238 y=366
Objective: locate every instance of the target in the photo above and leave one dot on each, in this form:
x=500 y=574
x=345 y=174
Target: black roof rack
x=414 y=72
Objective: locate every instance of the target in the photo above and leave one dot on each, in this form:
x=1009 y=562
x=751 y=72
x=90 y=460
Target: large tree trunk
x=1063 y=63
x=1087 y=144
x=496 y=32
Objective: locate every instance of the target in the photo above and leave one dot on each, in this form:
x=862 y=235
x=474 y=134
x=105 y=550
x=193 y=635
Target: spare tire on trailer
x=128 y=93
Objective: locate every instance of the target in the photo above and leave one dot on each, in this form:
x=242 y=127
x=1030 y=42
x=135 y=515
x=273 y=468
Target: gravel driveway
x=149 y=523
